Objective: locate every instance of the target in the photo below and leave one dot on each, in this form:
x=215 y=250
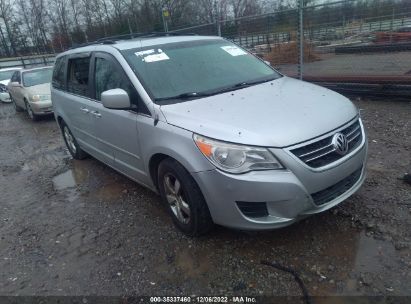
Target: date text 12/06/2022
x=201 y=299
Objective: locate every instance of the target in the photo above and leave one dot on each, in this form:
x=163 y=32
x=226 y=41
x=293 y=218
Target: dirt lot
x=390 y=63
x=78 y=228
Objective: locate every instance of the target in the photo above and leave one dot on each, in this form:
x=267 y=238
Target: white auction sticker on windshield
x=143 y=53
x=233 y=50
x=156 y=57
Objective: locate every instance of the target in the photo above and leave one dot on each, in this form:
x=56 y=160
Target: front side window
x=77 y=78
x=195 y=68
x=107 y=77
x=14 y=78
x=5 y=75
x=36 y=77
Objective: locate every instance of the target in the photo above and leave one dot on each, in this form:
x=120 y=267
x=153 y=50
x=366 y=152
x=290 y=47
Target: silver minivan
x=223 y=137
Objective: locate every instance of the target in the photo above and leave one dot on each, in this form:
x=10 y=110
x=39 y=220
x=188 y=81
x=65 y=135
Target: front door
x=116 y=130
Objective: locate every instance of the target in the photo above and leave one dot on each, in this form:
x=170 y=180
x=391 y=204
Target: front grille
x=253 y=209
x=327 y=195
x=322 y=152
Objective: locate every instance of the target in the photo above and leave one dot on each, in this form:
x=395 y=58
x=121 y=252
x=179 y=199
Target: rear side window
x=77 y=78
x=58 y=73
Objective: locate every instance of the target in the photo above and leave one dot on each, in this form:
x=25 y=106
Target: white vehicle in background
x=30 y=91
x=5 y=76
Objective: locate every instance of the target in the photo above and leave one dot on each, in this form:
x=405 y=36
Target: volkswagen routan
x=218 y=133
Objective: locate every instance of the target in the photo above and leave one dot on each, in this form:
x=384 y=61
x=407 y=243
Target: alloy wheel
x=29 y=111
x=175 y=197
x=69 y=139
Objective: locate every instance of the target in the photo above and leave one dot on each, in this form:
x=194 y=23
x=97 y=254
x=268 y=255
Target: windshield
x=6 y=75
x=195 y=68
x=36 y=77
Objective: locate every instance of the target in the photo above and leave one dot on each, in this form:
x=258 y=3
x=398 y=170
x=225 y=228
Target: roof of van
x=141 y=42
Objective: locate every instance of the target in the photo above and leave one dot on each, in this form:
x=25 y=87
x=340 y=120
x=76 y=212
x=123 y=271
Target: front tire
x=186 y=203
x=71 y=143
x=30 y=112
x=16 y=107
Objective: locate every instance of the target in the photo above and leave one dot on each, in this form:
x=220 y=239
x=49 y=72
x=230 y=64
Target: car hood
x=279 y=113
x=43 y=88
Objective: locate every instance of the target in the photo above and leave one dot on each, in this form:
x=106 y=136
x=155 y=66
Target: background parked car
x=30 y=90
x=5 y=76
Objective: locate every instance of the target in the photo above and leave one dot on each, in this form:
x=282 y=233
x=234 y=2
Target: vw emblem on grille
x=340 y=143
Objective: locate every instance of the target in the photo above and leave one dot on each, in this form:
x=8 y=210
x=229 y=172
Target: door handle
x=85 y=110
x=96 y=113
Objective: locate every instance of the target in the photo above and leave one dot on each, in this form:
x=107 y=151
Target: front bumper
x=287 y=193
x=42 y=107
x=5 y=97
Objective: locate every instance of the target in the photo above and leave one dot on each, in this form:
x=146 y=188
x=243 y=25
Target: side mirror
x=15 y=84
x=267 y=62
x=116 y=99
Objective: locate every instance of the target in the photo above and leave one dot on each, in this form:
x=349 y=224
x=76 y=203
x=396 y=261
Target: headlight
x=235 y=158
x=40 y=97
x=3 y=88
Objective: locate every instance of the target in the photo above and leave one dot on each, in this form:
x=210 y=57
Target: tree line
x=51 y=26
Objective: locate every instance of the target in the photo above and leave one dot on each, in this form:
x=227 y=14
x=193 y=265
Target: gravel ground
x=79 y=228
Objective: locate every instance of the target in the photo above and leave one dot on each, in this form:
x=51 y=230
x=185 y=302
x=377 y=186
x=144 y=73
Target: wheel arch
x=153 y=164
x=157 y=157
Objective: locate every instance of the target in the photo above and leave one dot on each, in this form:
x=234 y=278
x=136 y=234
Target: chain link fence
x=342 y=45
x=345 y=45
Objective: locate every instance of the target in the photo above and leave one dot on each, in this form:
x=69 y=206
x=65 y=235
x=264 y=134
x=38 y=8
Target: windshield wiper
x=236 y=86
x=184 y=96
x=249 y=84
x=240 y=85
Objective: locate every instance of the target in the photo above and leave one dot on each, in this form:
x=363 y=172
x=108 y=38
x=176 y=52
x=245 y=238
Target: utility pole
x=165 y=14
x=129 y=26
x=301 y=39
x=392 y=23
x=217 y=17
x=3 y=39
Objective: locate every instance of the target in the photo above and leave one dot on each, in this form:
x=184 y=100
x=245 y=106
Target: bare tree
x=3 y=40
x=5 y=14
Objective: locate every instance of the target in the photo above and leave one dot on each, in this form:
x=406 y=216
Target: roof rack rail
x=113 y=39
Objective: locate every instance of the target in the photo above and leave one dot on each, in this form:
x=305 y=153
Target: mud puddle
x=69 y=181
x=64 y=181
x=357 y=262
x=345 y=261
